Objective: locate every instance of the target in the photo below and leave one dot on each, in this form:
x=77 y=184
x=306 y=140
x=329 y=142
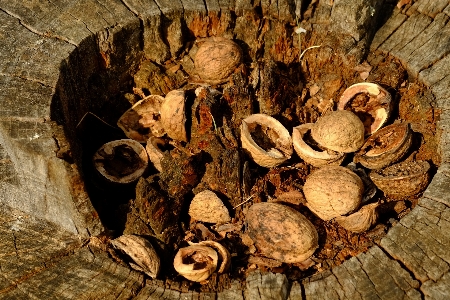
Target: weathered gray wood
x=437 y=290
x=387 y=29
x=436 y=72
x=172 y=27
x=428 y=7
x=266 y=286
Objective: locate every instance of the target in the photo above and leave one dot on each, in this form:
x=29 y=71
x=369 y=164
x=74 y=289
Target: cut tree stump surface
x=39 y=260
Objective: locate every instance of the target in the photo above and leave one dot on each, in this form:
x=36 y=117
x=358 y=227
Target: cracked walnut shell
x=340 y=131
x=196 y=262
x=333 y=191
x=207 y=207
x=361 y=220
x=281 y=233
x=173 y=117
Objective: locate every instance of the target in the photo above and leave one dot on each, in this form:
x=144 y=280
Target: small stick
x=303 y=53
x=242 y=203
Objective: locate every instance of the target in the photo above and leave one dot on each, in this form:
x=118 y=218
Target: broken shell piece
x=121 y=161
x=308 y=154
x=385 y=147
x=224 y=254
x=173 y=116
x=142 y=120
x=142 y=253
x=402 y=180
x=340 y=131
x=216 y=59
x=333 y=191
x=154 y=153
x=196 y=262
x=280 y=232
x=370 y=189
x=207 y=207
x=374 y=111
x=361 y=220
x=266 y=140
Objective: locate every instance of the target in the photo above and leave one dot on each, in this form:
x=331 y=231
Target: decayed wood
x=436 y=72
x=387 y=29
x=428 y=7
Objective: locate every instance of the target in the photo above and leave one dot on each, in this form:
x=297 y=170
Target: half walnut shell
x=173 y=117
x=196 y=262
x=402 y=180
x=142 y=120
x=305 y=151
x=385 y=147
x=361 y=220
x=266 y=140
x=207 y=207
x=370 y=102
x=121 y=161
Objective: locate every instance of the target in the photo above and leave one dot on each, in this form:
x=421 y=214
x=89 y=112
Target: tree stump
x=61 y=62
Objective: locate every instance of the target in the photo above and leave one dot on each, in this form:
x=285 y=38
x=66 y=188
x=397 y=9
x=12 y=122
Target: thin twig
x=214 y=121
x=303 y=53
x=245 y=201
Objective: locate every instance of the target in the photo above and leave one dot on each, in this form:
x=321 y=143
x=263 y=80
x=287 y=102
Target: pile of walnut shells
x=343 y=194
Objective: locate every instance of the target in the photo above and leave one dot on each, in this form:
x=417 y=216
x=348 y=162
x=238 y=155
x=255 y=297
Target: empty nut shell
x=281 y=232
x=121 y=161
x=223 y=252
x=402 y=180
x=207 y=207
x=173 y=117
x=333 y=191
x=154 y=153
x=196 y=262
x=266 y=140
x=385 y=147
x=361 y=220
x=340 y=131
x=374 y=111
x=142 y=120
x=141 y=252
x=216 y=59
x=308 y=154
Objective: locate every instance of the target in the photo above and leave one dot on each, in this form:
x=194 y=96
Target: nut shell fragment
x=308 y=154
x=340 y=131
x=154 y=153
x=275 y=137
x=196 y=262
x=223 y=252
x=141 y=251
x=121 y=161
x=373 y=112
x=333 y=191
x=142 y=120
x=281 y=232
x=385 y=147
x=402 y=180
x=216 y=59
x=173 y=117
x=207 y=207
x=361 y=220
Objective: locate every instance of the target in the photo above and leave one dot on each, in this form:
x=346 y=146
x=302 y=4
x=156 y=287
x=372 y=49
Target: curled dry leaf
x=403 y=179
x=207 y=207
x=142 y=120
x=154 y=153
x=141 y=252
x=224 y=254
x=266 y=140
x=311 y=156
x=196 y=262
x=216 y=59
x=385 y=147
x=340 y=131
x=173 y=117
x=361 y=220
x=333 y=191
x=281 y=232
x=121 y=161
x=370 y=102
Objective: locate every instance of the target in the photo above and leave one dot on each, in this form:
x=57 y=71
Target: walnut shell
x=216 y=59
x=142 y=253
x=308 y=154
x=333 y=191
x=402 y=180
x=173 y=117
x=154 y=153
x=340 y=131
x=361 y=220
x=142 y=120
x=271 y=134
x=373 y=112
x=121 y=161
x=196 y=262
x=223 y=252
x=281 y=232
x=385 y=147
x=207 y=207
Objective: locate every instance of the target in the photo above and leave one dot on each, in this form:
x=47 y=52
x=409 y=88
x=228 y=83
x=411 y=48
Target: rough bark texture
x=46 y=46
